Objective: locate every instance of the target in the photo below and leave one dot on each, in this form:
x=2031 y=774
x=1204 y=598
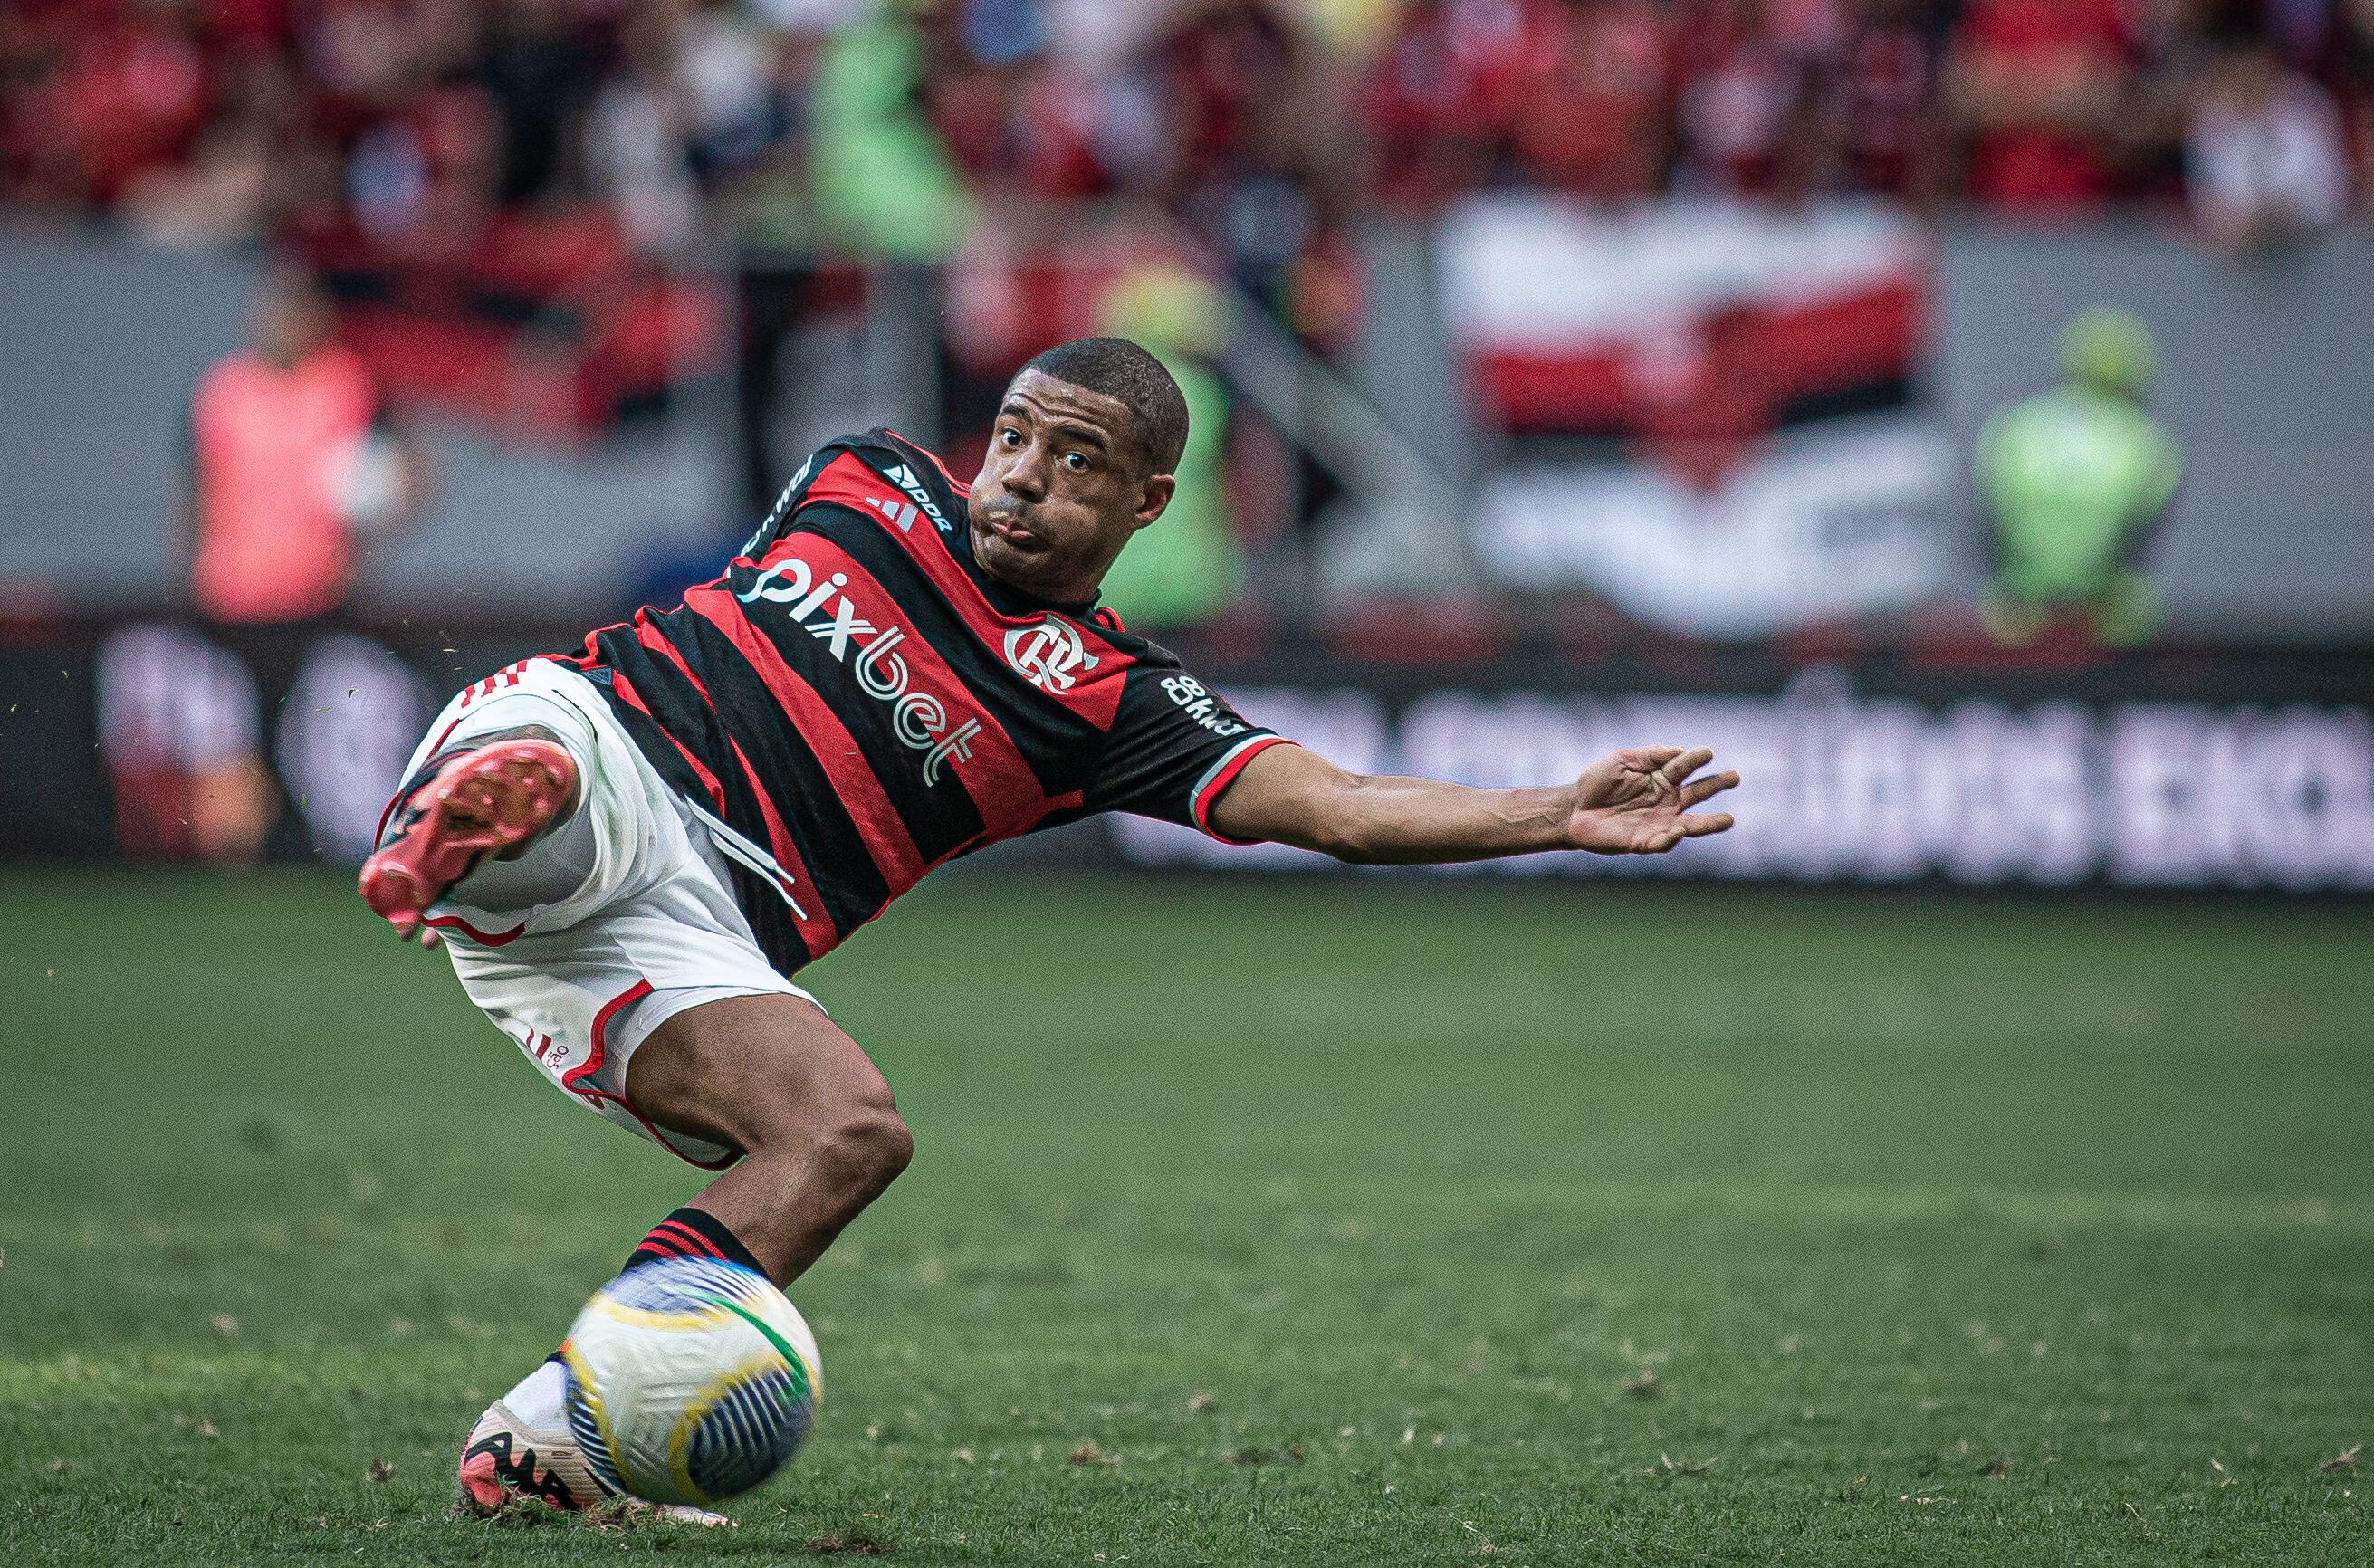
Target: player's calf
x=772 y=1077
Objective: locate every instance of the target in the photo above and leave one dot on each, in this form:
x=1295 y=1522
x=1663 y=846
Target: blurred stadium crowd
x=413 y=122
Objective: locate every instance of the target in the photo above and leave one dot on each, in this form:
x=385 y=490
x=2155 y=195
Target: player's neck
x=1029 y=598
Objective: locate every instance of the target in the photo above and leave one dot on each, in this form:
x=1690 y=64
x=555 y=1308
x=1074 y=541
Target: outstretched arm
x=1636 y=803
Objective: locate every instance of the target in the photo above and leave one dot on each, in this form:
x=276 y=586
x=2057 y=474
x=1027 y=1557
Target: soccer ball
x=689 y=1380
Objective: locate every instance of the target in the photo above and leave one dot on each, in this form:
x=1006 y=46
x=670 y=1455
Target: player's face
x=1062 y=489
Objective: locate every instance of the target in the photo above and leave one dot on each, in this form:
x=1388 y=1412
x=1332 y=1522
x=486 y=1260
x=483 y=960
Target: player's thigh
x=751 y=1070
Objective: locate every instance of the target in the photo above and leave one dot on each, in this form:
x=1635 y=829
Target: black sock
x=690 y=1233
x=687 y=1233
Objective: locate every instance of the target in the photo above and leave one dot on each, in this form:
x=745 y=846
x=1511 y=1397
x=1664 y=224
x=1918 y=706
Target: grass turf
x=1366 y=1223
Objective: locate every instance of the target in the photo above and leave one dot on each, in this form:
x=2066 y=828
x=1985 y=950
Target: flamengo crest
x=1048 y=654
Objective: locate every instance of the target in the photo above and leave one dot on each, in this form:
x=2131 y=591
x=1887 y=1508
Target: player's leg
x=503 y=771
x=481 y=808
x=770 y=1078
x=773 y=1078
x=516 y=809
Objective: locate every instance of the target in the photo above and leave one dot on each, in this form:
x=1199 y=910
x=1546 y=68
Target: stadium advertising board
x=1845 y=787
x=2160 y=773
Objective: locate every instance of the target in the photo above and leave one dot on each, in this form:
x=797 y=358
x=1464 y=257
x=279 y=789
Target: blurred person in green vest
x=1188 y=567
x=2077 y=482
x=884 y=180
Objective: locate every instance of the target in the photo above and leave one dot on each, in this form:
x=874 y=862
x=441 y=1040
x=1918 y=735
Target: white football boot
x=506 y=1459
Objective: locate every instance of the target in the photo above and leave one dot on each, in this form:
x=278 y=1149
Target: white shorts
x=643 y=922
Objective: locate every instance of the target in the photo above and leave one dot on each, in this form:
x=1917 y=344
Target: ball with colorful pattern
x=689 y=1380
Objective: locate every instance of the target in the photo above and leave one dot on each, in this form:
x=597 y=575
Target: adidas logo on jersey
x=904 y=477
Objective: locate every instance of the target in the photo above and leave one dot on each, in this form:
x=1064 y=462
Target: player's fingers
x=1680 y=767
x=1707 y=788
x=1699 y=827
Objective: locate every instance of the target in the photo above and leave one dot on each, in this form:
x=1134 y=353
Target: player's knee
x=864 y=1148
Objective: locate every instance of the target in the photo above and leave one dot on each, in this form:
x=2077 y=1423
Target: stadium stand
x=497 y=187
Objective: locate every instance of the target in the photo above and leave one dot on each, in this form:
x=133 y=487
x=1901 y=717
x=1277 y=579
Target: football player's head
x=1082 y=457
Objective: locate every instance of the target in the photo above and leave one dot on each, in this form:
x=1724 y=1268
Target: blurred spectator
x=885 y=183
x=2350 y=69
x=539 y=73
x=97 y=94
x=2077 y=483
x=291 y=455
x=1879 y=135
x=2264 y=160
x=639 y=137
x=222 y=197
x=772 y=220
x=2036 y=88
x=1590 y=109
x=1188 y=566
x=899 y=123
x=1742 y=98
x=1436 y=97
x=1248 y=162
x=2169 y=56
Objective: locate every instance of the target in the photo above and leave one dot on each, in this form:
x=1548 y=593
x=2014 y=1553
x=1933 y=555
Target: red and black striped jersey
x=856 y=701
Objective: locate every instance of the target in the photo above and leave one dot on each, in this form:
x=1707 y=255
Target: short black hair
x=1121 y=369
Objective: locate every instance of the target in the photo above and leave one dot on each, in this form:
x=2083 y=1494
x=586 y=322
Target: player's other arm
x=1635 y=803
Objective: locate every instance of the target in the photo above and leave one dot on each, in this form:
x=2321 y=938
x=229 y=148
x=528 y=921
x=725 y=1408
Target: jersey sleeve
x=1174 y=747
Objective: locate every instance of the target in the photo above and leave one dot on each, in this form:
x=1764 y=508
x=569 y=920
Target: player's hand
x=1637 y=801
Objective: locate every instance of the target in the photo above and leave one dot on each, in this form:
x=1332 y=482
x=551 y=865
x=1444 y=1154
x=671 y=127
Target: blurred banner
x=2171 y=771
x=1733 y=420
x=1765 y=460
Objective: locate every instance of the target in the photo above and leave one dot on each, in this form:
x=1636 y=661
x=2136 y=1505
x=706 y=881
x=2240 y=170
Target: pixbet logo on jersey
x=1048 y=655
x=918 y=718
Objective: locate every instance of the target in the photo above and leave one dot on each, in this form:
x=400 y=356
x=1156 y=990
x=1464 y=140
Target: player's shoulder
x=907 y=464
x=872 y=472
x=1147 y=657
x=1143 y=649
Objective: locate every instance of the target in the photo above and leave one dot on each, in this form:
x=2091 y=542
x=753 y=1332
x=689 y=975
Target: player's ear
x=1154 y=493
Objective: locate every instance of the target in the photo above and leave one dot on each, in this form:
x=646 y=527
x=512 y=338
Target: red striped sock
x=690 y=1233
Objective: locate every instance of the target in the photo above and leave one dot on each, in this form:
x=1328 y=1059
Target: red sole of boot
x=480 y=803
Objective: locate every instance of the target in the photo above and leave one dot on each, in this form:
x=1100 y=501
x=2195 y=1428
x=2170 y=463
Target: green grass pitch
x=1378 y=1222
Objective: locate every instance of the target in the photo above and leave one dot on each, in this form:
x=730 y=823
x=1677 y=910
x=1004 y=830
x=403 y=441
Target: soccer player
x=630 y=850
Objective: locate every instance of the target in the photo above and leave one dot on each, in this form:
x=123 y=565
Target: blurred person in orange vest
x=292 y=458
